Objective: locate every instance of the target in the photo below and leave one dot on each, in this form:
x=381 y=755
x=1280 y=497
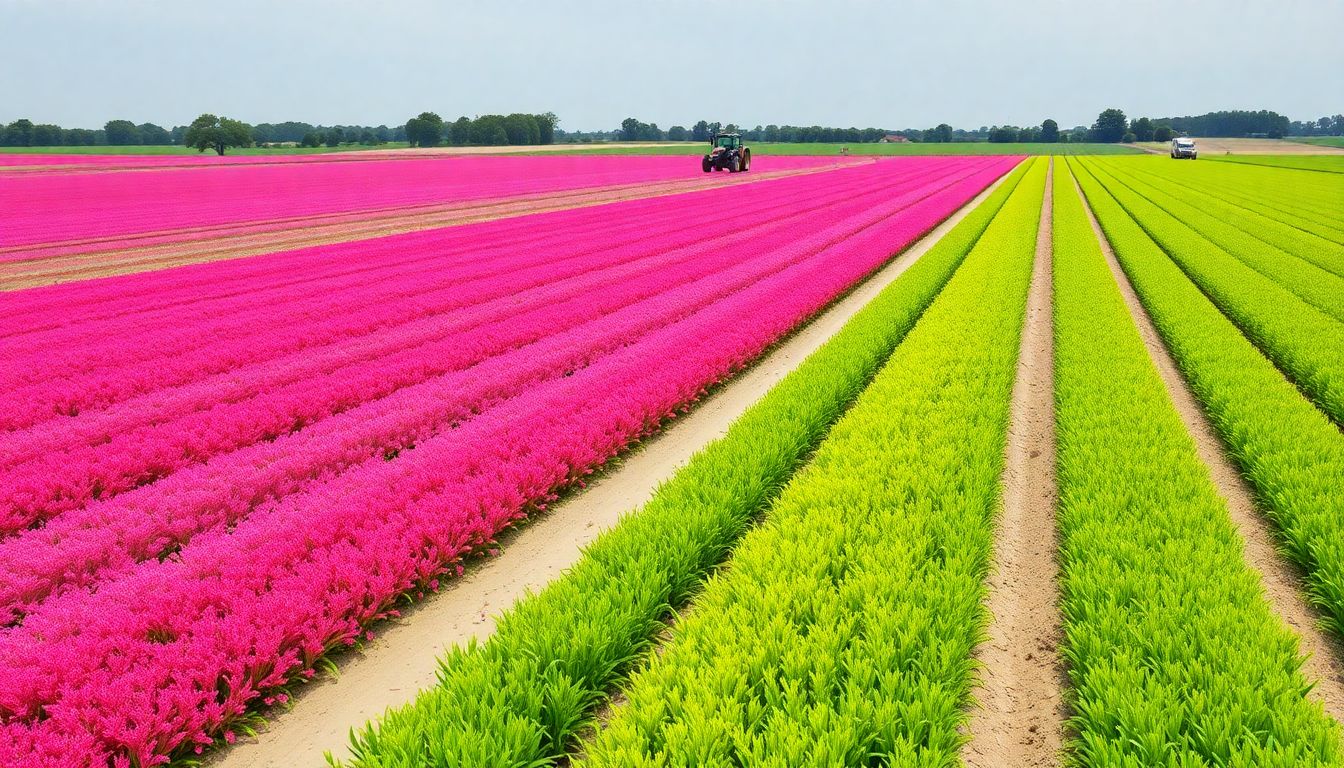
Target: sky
x=79 y=63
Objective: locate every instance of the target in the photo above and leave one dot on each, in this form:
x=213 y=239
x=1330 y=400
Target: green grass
x=884 y=150
x=1303 y=341
x=841 y=632
x=1175 y=656
x=520 y=698
x=166 y=149
x=1322 y=141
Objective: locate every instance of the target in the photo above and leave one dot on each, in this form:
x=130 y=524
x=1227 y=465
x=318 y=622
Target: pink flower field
x=213 y=475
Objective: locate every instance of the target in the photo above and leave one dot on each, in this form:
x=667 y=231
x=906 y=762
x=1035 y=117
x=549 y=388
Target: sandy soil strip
x=402 y=658
x=1281 y=579
x=1020 y=712
x=216 y=244
x=1245 y=147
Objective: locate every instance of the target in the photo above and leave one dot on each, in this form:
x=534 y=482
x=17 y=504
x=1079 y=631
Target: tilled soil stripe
x=403 y=658
x=1282 y=582
x=1020 y=712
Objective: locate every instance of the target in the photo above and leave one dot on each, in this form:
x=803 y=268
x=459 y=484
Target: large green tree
x=217 y=133
x=122 y=133
x=1110 y=127
x=425 y=130
x=1049 y=131
x=1142 y=129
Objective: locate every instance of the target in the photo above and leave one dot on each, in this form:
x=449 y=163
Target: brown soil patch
x=1281 y=579
x=230 y=242
x=1020 y=712
x=1245 y=147
x=403 y=657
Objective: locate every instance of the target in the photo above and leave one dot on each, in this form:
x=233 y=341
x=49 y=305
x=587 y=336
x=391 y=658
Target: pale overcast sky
x=864 y=63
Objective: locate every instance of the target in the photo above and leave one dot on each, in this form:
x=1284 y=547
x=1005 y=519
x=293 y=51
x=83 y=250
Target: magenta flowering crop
x=252 y=459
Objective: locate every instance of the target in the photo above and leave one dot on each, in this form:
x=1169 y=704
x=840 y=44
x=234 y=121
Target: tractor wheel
x=735 y=164
x=705 y=165
x=746 y=160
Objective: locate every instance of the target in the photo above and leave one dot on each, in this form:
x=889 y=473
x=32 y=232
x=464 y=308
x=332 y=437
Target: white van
x=1183 y=147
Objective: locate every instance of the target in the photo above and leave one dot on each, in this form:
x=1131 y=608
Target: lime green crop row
x=1308 y=201
x=520 y=698
x=1284 y=232
x=1291 y=453
x=1303 y=341
x=1221 y=225
x=1333 y=163
x=1174 y=655
x=841 y=632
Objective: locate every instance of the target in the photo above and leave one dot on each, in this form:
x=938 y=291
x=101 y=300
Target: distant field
x=1323 y=141
x=1328 y=163
x=958 y=148
x=176 y=149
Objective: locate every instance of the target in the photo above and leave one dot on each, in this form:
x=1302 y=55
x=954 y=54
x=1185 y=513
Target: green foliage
x=1226 y=226
x=1142 y=129
x=1049 y=131
x=1174 y=655
x=122 y=133
x=1163 y=133
x=1288 y=450
x=1110 y=126
x=514 y=699
x=880 y=150
x=1302 y=341
x=217 y=133
x=841 y=634
x=424 y=130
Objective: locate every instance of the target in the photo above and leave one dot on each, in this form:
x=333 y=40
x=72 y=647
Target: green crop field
x=1323 y=141
x=1327 y=163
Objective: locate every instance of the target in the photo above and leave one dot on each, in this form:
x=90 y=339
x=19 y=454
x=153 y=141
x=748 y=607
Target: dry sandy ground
x=231 y=241
x=1020 y=712
x=1245 y=147
x=402 y=659
x=1281 y=580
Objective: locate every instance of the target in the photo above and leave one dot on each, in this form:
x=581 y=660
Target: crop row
x=41 y=209
x=1288 y=450
x=62 y=464
x=1174 y=655
x=523 y=695
x=1303 y=341
x=165 y=654
x=862 y=588
x=84 y=364
x=1250 y=217
x=1222 y=224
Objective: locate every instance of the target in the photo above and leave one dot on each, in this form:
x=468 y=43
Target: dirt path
x=402 y=658
x=1020 y=714
x=1245 y=147
x=1281 y=579
x=231 y=241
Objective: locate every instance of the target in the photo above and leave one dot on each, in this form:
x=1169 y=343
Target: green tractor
x=727 y=154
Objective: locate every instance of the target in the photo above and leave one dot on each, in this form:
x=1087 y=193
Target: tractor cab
x=727 y=141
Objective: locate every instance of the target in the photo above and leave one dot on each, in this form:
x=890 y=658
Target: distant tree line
x=123 y=133
x=429 y=130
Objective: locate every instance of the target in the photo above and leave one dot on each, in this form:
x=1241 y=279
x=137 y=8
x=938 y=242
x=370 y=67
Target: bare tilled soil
x=403 y=656
x=1246 y=147
x=1020 y=712
x=1281 y=579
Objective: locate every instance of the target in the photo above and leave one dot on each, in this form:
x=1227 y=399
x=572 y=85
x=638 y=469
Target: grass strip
x=841 y=632
x=1301 y=340
x=1221 y=224
x=1175 y=656
x=520 y=698
x=1290 y=452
